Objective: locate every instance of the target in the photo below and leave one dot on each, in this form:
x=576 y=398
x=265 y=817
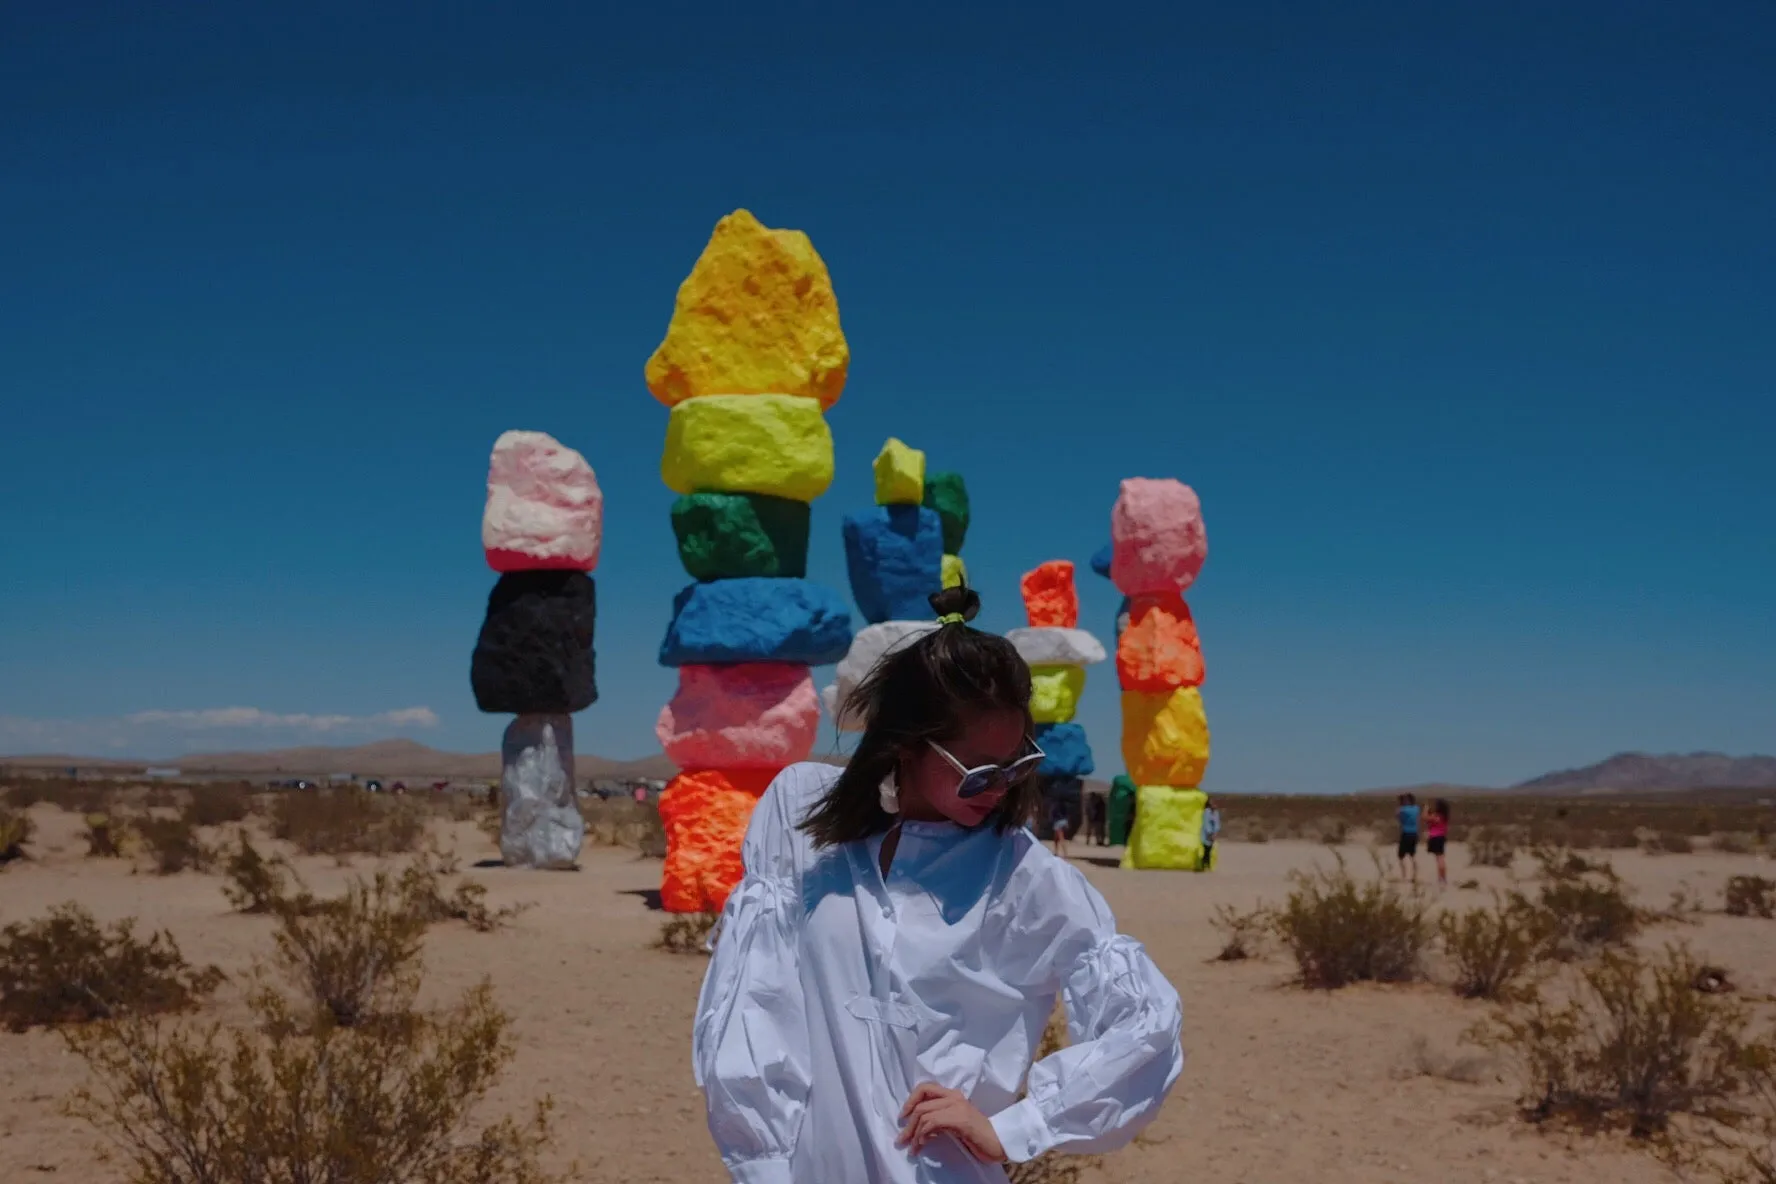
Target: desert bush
x=346 y=822
x=687 y=933
x=1341 y=931
x=103 y=837
x=1468 y=886
x=1587 y=905
x=1491 y=846
x=15 y=832
x=1750 y=896
x=1668 y=842
x=1734 y=843
x=65 y=969
x=356 y=957
x=256 y=884
x=1425 y=1061
x=76 y=797
x=294 y=1100
x=1495 y=949
x=1333 y=832
x=624 y=822
x=422 y=887
x=1241 y=933
x=173 y=844
x=1635 y=1045
x=214 y=805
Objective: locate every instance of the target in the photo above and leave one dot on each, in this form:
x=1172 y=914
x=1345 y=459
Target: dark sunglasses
x=990 y=778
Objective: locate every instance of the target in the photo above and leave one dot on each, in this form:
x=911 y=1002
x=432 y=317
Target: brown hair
x=920 y=692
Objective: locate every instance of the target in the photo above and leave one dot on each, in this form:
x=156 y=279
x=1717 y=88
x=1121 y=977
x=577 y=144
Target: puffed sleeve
x=1125 y=1022
x=749 y=1046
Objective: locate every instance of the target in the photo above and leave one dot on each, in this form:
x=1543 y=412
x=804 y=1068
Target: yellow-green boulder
x=756 y=316
x=1165 y=737
x=1168 y=829
x=772 y=444
x=955 y=572
x=900 y=475
x=1054 y=692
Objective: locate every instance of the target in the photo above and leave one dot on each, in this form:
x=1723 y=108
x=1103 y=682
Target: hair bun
x=961 y=600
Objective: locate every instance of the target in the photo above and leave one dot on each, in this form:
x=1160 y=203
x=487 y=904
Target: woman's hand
x=933 y=1110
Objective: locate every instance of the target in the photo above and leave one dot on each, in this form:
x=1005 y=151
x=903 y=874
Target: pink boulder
x=1157 y=537
x=753 y=715
x=544 y=508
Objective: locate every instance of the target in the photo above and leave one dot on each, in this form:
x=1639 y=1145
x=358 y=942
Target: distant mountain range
x=1640 y=772
x=1628 y=772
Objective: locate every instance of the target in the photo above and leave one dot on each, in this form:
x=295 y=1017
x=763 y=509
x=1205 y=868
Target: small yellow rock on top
x=756 y=316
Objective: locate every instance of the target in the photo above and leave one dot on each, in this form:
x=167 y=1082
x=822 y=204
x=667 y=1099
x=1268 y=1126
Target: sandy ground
x=1281 y=1084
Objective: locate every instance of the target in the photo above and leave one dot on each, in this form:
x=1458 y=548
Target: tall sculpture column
x=541 y=531
x=751 y=361
x=1058 y=651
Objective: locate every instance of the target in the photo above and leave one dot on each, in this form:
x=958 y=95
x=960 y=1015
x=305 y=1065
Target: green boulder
x=945 y=493
x=726 y=536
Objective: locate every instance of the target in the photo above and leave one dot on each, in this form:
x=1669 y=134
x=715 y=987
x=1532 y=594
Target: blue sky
x=1458 y=317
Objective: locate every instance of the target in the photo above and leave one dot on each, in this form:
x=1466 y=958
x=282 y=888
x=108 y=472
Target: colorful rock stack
x=541 y=531
x=751 y=361
x=1158 y=548
x=1058 y=652
x=897 y=554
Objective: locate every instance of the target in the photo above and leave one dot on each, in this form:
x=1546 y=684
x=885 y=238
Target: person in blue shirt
x=1211 y=826
x=1408 y=815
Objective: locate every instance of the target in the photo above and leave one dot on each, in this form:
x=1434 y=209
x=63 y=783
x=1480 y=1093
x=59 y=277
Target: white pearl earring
x=889 y=795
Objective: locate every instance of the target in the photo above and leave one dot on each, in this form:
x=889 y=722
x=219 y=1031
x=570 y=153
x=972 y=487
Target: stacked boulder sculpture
x=1158 y=546
x=751 y=361
x=541 y=531
x=897 y=553
x=1058 y=651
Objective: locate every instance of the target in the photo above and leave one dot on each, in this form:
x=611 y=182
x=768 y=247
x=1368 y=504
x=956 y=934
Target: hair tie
x=952 y=619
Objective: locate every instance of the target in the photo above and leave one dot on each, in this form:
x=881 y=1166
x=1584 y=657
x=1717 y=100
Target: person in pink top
x=1437 y=837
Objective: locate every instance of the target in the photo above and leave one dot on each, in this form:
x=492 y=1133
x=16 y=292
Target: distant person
x=641 y=793
x=1211 y=828
x=1096 y=817
x=1437 y=836
x=1408 y=815
x=1061 y=820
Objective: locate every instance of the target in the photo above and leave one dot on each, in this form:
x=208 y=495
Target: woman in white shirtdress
x=883 y=974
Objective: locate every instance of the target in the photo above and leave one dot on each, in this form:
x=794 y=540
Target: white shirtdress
x=834 y=991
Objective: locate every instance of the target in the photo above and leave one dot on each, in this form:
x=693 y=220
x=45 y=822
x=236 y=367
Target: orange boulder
x=705 y=814
x=1050 y=598
x=1159 y=650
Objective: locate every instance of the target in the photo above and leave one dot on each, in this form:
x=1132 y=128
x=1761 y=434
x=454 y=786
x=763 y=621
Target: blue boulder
x=757 y=619
x=1101 y=560
x=894 y=555
x=1069 y=753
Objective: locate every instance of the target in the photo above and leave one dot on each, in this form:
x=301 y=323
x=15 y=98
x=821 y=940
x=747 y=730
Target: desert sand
x=1367 y=1084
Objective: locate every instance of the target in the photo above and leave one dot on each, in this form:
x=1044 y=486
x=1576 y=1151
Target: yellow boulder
x=900 y=475
x=1165 y=737
x=771 y=444
x=1054 y=692
x=955 y=573
x=756 y=316
x=1168 y=830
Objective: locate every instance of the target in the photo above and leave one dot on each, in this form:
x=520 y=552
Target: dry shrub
x=65 y=969
x=1636 y=1044
x=103 y=837
x=1468 y=886
x=1333 y=832
x=1619 y=840
x=1495 y=949
x=346 y=822
x=173 y=844
x=301 y=1098
x=1668 y=842
x=1491 y=846
x=214 y=805
x=1750 y=896
x=687 y=933
x=1242 y=934
x=76 y=797
x=357 y=957
x=1342 y=931
x=15 y=832
x=1734 y=843
x=260 y=885
x=1425 y=1061
x=422 y=887
x=1587 y=905
x=624 y=822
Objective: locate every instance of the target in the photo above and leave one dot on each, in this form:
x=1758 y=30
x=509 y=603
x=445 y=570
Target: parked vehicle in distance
x=373 y=785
